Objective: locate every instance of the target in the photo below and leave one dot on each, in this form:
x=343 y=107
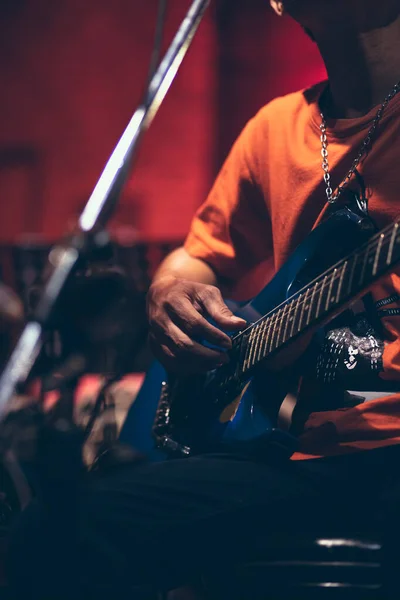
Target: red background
x=73 y=72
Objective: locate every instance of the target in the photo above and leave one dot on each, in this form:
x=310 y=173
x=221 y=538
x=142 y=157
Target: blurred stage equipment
x=84 y=297
x=22 y=268
x=11 y=309
x=89 y=237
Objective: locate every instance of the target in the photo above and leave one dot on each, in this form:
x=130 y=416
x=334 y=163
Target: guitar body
x=203 y=413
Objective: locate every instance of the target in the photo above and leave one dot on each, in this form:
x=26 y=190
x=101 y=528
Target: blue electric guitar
x=251 y=401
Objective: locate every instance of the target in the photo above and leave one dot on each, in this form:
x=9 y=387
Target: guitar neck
x=312 y=305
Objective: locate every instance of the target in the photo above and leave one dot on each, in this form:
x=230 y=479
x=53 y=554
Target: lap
x=161 y=523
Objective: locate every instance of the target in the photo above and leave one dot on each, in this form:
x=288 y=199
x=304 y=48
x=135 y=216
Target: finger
x=211 y=300
x=183 y=346
x=185 y=351
x=191 y=322
x=180 y=366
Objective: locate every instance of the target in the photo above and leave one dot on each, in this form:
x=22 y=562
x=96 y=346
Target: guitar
x=246 y=403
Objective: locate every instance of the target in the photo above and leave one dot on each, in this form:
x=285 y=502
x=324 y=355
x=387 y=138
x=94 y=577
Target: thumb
x=217 y=309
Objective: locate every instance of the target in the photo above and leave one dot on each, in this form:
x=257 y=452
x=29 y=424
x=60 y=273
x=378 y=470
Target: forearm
x=180 y=264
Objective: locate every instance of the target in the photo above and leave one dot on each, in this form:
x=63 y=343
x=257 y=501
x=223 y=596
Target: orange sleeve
x=231 y=231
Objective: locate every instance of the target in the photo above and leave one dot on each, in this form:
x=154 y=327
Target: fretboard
x=322 y=297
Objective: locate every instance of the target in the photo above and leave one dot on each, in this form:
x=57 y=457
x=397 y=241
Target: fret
x=314 y=288
x=277 y=329
x=377 y=254
x=271 y=326
x=284 y=321
x=303 y=308
x=271 y=341
x=325 y=293
x=296 y=302
x=339 y=291
x=268 y=325
x=272 y=335
x=257 y=353
x=288 y=319
x=275 y=333
x=266 y=329
x=335 y=299
x=260 y=353
x=271 y=330
x=257 y=341
x=321 y=291
x=330 y=298
x=393 y=239
x=280 y=317
x=248 y=349
x=253 y=346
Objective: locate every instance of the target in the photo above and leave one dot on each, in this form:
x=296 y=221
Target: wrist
x=164 y=278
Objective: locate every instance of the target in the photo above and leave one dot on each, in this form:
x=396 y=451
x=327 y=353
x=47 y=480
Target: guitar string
x=368 y=247
x=295 y=304
x=294 y=307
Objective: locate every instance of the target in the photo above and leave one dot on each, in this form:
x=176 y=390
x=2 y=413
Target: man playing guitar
x=295 y=161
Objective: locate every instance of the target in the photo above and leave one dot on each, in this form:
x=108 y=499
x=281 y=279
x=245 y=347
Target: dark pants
x=160 y=525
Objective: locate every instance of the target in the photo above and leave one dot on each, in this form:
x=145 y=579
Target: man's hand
x=178 y=310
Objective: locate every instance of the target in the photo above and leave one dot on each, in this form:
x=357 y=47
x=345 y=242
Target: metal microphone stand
x=59 y=440
x=64 y=258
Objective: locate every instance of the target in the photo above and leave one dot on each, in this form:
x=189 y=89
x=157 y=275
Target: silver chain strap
x=332 y=198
